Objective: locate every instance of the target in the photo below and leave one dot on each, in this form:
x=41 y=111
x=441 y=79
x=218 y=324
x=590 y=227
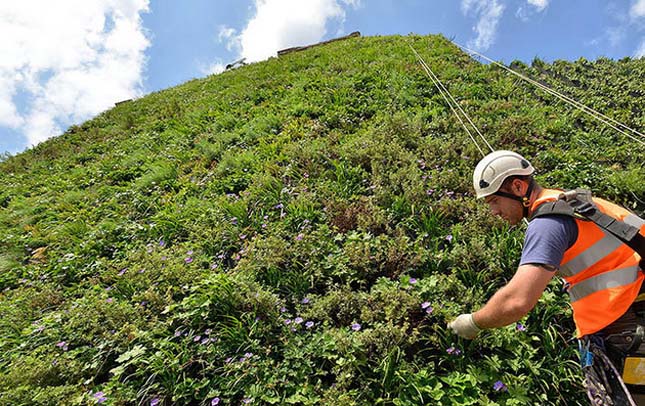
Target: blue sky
x=69 y=60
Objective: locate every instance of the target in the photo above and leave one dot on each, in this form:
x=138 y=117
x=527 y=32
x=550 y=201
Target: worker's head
x=504 y=179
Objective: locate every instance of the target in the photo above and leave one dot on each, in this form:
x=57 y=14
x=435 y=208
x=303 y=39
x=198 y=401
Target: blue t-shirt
x=546 y=240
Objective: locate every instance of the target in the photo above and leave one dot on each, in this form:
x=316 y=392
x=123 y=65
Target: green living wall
x=299 y=231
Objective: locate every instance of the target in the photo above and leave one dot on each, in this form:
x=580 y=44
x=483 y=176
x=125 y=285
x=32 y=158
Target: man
x=603 y=274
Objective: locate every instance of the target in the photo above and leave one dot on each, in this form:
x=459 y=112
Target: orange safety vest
x=602 y=272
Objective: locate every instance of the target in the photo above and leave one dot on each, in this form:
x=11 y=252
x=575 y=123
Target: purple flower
x=305 y=300
x=299 y=237
x=227 y=361
x=356 y=327
x=248 y=355
x=430 y=192
x=287 y=321
x=109 y=300
x=243 y=236
x=520 y=327
x=279 y=206
x=197 y=338
x=63 y=345
x=100 y=397
x=214 y=266
x=453 y=351
x=449 y=238
x=188 y=260
x=298 y=320
x=246 y=401
x=215 y=402
x=413 y=281
x=499 y=386
x=162 y=243
x=123 y=271
x=205 y=341
x=309 y=324
x=190 y=252
x=177 y=333
x=154 y=402
x=283 y=309
x=425 y=305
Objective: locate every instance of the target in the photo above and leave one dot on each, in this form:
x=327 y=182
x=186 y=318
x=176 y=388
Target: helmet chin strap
x=525 y=200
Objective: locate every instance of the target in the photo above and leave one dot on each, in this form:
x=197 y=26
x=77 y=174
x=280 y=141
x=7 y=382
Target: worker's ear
x=519 y=187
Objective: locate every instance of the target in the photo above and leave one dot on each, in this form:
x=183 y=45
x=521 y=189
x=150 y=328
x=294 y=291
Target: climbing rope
x=450 y=100
x=615 y=124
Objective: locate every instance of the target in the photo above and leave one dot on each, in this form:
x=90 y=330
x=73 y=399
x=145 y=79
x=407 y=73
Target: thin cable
x=593 y=113
x=589 y=110
x=436 y=79
x=426 y=69
x=458 y=106
x=439 y=86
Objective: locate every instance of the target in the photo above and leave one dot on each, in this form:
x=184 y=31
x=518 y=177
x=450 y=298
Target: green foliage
x=298 y=231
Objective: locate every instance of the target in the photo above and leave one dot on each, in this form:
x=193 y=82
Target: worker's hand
x=464 y=326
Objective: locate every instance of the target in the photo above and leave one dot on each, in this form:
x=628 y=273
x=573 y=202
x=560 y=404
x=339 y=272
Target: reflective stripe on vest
x=602 y=272
x=611 y=279
x=591 y=255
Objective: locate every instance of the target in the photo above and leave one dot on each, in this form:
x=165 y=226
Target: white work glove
x=464 y=326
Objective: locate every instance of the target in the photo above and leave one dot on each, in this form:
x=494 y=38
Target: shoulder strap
x=578 y=204
x=560 y=207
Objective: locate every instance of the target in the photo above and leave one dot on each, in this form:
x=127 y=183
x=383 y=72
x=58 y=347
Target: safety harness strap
x=525 y=200
x=577 y=203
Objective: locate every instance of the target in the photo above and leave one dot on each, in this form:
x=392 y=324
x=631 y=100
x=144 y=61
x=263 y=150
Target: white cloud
x=8 y=113
x=540 y=5
x=225 y=33
x=615 y=35
x=229 y=36
x=637 y=9
x=214 y=68
x=489 y=13
x=70 y=60
x=279 y=24
x=640 y=52
x=525 y=13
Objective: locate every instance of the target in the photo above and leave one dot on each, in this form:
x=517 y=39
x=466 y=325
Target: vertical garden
x=299 y=231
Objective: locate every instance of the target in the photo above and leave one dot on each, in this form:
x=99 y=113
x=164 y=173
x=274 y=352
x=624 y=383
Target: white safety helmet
x=497 y=166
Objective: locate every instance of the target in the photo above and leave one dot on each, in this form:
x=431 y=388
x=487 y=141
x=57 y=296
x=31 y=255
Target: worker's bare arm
x=516 y=299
